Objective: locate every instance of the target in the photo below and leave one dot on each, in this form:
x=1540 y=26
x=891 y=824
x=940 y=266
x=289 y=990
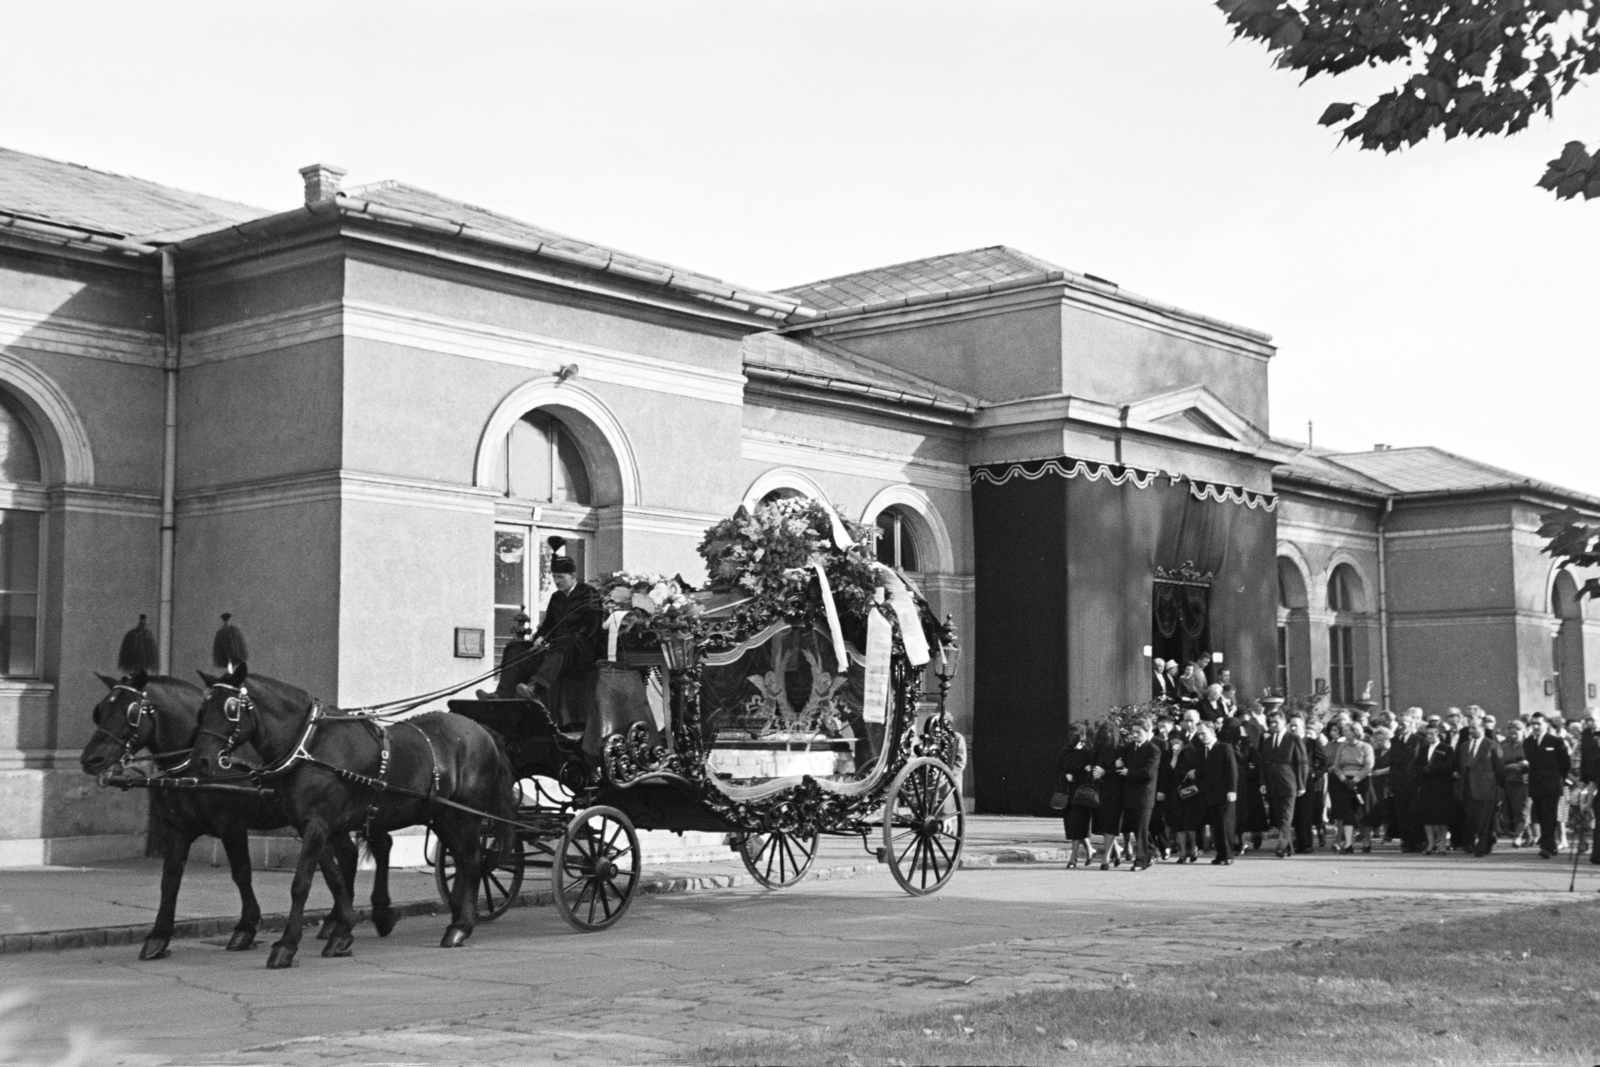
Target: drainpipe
x=1383 y=601
x=169 y=456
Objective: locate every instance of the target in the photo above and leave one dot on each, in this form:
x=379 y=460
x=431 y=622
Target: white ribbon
x=841 y=536
x=613 y=630
x=904 y=606
x=875 y=678
x=840 y=656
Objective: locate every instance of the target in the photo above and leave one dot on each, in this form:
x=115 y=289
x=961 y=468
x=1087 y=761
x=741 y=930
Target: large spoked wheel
x=596 y=869
x=500 y=868
x=780 y=859
x=923 y=826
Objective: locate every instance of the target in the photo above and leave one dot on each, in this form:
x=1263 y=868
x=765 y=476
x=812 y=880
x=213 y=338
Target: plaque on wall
x=469 y=642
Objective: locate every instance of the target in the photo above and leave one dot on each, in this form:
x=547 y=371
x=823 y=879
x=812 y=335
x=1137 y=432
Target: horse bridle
x=233 y=709
x=134 y=713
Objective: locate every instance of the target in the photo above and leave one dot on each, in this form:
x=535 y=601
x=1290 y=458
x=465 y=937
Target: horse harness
x=233 y=710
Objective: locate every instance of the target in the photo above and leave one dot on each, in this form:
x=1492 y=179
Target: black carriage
x=761 y=736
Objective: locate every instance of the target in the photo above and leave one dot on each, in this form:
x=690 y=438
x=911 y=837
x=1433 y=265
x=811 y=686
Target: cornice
x=333 y=487
x=56 y=335
x=763 y=446
x=362 y=320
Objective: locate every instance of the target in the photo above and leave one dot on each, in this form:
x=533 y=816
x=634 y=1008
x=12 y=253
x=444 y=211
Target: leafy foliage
x=1472 y=67
x=1573 y=543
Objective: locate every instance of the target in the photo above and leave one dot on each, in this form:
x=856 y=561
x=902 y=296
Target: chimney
x=1380 y=448
x=322 y=181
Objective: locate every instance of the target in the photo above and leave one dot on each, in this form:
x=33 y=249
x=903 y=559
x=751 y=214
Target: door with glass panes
x=522 y=579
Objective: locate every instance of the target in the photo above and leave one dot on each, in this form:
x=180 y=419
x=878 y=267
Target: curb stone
x=188 y=929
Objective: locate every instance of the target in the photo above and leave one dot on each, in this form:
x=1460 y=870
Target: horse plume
x=138 y=651
x=228 y=648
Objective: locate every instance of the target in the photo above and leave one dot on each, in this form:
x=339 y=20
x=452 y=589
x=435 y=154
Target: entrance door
x=1180 y=626
x=522 y=578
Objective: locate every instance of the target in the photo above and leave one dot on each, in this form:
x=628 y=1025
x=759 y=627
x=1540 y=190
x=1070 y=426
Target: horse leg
x=345 y=853
x=313 y=839
x=338 y=863
x=236 y=842
x=173 y=861
x=384 y=915
x=460 y=835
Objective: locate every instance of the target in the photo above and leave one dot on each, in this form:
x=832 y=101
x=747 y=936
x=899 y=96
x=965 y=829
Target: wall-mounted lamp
x=1148 y=652
x=567 y=372
x=1216 y=657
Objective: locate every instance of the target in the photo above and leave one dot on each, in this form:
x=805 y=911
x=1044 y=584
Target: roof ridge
x=1043 y=265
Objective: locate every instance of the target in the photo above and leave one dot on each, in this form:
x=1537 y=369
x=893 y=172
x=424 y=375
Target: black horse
x=334 y=774
x=160 y=714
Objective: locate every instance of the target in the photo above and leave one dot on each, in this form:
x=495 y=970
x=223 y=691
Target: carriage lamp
x=949 y=661
x=679 y=650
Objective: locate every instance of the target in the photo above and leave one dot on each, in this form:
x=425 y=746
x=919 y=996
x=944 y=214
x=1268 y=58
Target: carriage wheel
x=780 y=859
x=923 y=826
x=596 y=869
x=498 y=883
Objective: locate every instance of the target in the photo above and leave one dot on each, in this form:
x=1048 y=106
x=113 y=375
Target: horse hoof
x=155 y=948
x=325 y=931
x=454 y=937
x=280 y=957
x=338 y=945
x=241 y=940
x=383 y=920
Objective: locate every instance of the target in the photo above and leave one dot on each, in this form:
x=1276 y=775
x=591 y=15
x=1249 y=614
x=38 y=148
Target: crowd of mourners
x=1203 y=774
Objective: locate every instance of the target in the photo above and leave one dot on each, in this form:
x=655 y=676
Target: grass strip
x=1520 y=986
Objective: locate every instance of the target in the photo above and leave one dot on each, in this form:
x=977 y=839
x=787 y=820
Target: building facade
x=354 y=424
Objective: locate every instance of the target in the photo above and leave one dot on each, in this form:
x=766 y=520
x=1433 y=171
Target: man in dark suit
x=1140 y=764
x=1589 y=762
x=1549 y=763
x=1481 y=775
x=1282 y=759
x=1404 y=783
x=1219 y=788
x=1160 y=688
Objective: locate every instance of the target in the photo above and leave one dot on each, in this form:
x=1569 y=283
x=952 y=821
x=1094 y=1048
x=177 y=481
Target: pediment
x=1194 y=420
x=1194 y=410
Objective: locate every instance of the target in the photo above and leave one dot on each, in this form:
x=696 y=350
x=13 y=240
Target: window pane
x=528 y=449
x=886 y=538
x=510 y=568
x=19 y=458
x=19 y=633
x=572 y=478
x=908 y=547
x=19 y=551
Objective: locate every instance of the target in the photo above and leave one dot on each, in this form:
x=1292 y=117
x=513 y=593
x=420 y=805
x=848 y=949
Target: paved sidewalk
x=55 y=908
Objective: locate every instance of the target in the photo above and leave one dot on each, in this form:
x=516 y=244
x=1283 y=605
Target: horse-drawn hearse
x=783 y=704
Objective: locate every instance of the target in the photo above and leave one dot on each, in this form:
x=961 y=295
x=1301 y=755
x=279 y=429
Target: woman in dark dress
x=1108 y=816
x=1074 y=763
x=1167 y=794
x=1436 y=794
x=1191 y=822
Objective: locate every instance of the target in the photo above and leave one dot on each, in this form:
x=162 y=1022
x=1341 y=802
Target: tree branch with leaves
x=1471 y=67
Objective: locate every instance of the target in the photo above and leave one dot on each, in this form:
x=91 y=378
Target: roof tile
x=933 y=278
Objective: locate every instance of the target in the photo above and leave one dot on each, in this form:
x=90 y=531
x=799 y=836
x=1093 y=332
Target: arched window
x=1345 y=596
x=542 y=462
x=20 y=516
x=778 y=494
x=897 y=545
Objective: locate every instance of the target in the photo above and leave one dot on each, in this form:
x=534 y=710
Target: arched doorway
x=22 y=506
x=1566 y=652
x=555 y=472
x=1294 y=675
x=1347 y=635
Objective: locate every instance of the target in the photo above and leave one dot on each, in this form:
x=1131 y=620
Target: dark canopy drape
x=1067 y=555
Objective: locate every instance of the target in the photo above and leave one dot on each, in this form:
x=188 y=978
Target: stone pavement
x=688 y=969
x=52 y=908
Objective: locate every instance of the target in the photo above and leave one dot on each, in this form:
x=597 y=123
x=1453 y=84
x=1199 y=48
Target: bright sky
x=1432 y=297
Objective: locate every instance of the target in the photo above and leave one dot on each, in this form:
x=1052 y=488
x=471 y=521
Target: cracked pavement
x=691 y=969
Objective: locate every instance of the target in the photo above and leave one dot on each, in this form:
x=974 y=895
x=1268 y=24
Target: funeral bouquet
x=655 y=604
x=788 y=557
